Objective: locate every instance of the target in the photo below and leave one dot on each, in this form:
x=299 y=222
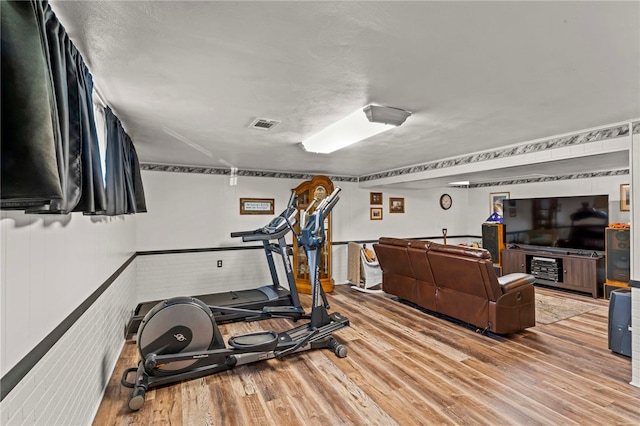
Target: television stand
x=570 y=271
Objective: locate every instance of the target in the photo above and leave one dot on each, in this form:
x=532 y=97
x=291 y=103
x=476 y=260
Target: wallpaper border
x=527 y=148
x=606 y=133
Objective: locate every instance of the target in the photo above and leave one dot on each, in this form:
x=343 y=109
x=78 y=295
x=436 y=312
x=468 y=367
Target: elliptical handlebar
x=311 y=204
x=329 y=203
x=305 y=214
x=318 y=216
x=312 y=233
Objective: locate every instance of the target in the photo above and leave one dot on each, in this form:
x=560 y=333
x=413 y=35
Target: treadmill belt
x=233 y=298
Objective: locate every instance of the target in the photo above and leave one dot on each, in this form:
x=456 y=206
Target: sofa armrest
x=515 y=280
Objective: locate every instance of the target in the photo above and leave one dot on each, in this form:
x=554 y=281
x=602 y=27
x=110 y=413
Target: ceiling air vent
x=264 y=124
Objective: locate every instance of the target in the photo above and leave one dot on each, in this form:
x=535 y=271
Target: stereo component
x=546 y=269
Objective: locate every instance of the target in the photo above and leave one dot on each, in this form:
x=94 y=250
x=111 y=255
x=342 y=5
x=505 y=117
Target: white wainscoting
x=67 y=384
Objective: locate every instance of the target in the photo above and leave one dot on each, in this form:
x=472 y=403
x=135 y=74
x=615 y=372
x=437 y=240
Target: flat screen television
x=576 y=222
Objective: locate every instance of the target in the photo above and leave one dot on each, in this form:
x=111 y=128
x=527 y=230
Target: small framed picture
x=256 y=205
x=625 y=197
x=375 y=198
x=375 y=213
x=396 y=205
x=496 y=199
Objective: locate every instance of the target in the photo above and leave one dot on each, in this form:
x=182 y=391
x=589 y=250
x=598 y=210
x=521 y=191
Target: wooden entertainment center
x=579 y=271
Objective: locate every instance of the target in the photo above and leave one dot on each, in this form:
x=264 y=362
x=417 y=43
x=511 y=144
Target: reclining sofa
x=456 y=281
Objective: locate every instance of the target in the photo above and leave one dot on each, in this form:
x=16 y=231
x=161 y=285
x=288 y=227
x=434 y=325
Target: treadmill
x=229 y=306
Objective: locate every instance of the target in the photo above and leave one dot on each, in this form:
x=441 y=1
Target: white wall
x=188 y=210
x=67 y=384
x=50 y=265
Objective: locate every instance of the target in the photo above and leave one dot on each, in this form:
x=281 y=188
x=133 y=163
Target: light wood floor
x=405 y=367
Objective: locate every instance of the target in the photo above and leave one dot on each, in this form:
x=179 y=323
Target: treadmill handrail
x=243 y=233
x=261 y=236
x=267 y=232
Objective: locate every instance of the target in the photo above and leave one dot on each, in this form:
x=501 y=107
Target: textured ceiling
x=188 y=78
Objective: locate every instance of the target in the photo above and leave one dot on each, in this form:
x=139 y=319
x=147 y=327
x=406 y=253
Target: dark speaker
x=620 y=322
x=618 y=255
x=493 y=240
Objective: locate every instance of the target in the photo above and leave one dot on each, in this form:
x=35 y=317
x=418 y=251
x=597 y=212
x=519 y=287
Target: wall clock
x=446 y=201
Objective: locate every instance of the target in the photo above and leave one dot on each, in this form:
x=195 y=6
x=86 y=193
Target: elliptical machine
x=179 y=339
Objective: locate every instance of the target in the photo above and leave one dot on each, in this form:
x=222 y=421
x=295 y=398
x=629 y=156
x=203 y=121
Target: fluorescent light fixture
x=460 y=183
x=359 y=125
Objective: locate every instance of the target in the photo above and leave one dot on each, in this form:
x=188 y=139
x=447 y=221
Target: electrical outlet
x=219 y=263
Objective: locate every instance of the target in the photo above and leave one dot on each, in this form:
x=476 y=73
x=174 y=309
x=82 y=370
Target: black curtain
x=50 y=149
x=138 y=189
x=125 y=194
x=64 y=72
x=93 y=199
x=29 y=113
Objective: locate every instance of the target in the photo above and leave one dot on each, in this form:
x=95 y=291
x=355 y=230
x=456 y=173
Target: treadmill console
x=279 y=223
x=276 y=228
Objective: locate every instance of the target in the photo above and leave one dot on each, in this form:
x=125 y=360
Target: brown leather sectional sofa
x=457 y=281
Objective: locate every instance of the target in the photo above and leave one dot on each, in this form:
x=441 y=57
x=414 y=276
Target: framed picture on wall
x=396 y=205
x=625 y=197
x=256 y=205
x=375 y=213
x=375 y=198
x=496 y=199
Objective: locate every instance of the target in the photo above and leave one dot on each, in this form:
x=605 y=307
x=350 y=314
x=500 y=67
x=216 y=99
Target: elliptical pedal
x=259 y=341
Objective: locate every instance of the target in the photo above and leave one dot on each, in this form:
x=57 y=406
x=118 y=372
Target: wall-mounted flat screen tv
x=576 y=222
